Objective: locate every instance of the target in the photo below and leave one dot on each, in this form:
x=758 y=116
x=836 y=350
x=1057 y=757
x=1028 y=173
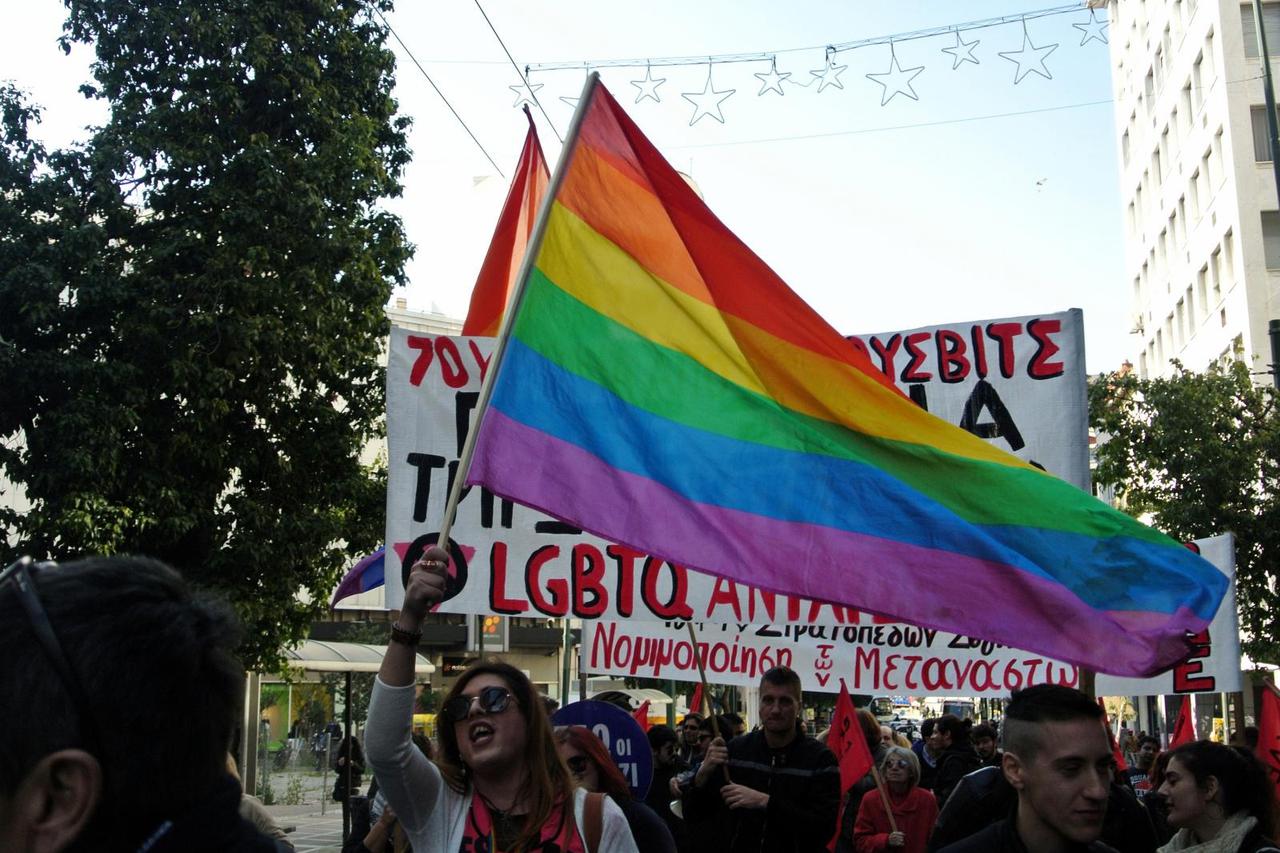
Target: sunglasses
x=703 y=736
x=493 y=700
x=577 y=764
x=20 y=573
x=900 y=763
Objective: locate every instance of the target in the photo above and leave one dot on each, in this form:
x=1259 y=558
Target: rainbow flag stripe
x=663 y=388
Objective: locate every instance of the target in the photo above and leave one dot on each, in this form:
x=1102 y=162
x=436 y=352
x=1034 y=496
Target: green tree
x=1199 y=453
x=191 y=302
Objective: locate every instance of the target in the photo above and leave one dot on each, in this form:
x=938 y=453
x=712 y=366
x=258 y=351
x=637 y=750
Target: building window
x=1197 y=90
x=1261 y=134
x=1191 y=312
x=1215 y=274
x=1249 y=27
x=1271 y=238
x=1202 y=289
x=1124 y=146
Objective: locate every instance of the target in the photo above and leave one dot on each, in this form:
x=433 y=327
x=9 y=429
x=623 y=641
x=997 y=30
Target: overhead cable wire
x=524 y=76
x=418 y=64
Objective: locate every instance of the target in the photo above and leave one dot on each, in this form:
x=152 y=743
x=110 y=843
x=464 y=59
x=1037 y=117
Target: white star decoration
x=830 y=73
x=771 y=81
x=648 y=86
x=708 y=101
x=1032 y=63
x=524 y=93
x=1092 y=29
x=962 y=52
x=896 y=80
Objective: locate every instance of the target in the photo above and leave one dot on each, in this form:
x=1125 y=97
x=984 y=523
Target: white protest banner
x=513 y=561
x=1214 y=665
x=876 y=656
x=1019 y=382
x=868 y=658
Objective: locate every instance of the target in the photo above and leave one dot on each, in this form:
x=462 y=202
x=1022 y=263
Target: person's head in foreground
x=1058 y=758
x=120 y=696
x=590 y=763
x=494 y=725
x=1217 y=793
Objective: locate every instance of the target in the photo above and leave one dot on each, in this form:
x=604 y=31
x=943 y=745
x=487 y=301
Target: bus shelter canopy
x=320 y=656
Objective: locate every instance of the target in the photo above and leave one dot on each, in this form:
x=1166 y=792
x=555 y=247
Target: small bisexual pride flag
x=663 y=388
x=369 y=573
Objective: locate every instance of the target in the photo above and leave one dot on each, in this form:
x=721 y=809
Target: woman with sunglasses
x=594 y=769
x=914 y=809
x=497 y=783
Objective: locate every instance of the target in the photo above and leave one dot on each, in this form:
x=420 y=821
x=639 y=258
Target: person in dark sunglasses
x=119 y=691
x=594 y=769
x=497 y=783
x=915 y=809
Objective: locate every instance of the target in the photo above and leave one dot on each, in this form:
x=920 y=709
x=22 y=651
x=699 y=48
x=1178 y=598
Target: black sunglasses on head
x=20 y=573
x=493 y=700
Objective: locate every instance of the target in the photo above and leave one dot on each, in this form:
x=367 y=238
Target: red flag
x=641 y=715
x=1184 y=730
x=510 y=237
x=849 y=744
x=1111 y=736
x=695 y=704
x=1269 y=733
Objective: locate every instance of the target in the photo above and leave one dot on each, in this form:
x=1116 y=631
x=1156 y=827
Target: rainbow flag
x=663 y=388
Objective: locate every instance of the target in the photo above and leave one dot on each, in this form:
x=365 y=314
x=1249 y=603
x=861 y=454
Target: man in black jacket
x=1059 y=761
x=784 y=792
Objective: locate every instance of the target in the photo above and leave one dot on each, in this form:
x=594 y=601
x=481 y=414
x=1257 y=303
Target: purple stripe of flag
x=900 y=577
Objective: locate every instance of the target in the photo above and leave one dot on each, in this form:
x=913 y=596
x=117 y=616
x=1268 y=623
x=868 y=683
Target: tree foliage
x=191 y=302
x=1199 y=453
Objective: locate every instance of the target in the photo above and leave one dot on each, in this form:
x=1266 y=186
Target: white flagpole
x=504 y=333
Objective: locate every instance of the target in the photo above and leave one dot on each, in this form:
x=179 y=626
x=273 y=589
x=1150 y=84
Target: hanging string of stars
x=895 y=80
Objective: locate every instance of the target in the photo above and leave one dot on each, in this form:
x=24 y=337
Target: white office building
x=1202 y=231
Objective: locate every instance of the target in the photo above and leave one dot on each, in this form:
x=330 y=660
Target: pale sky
x=942 y=209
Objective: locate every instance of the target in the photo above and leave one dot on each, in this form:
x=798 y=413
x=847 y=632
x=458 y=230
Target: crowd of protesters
x=79 y=777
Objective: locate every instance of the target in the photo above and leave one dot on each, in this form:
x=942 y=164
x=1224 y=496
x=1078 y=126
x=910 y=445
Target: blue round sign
x=621 y=736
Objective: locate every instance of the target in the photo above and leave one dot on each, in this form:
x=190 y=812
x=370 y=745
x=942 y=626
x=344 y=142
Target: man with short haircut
x=984 y=741
x=783 y=787
x=690 y=727
x=1058 y=759
x=1138 y=777
x=120 y=695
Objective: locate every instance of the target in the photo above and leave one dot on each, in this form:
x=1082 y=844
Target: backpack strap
x=593 y=821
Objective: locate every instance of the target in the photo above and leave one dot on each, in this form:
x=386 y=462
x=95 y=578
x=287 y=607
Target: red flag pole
x=513 y=306
x=706 y=691
x=884 y=797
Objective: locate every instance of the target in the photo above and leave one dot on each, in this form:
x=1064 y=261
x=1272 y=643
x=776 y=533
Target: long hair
x=1246 y=785
x=581 y=739
x=959 y=729
x=548 y=781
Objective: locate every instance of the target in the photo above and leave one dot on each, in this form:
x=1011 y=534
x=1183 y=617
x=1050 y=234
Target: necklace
x=504 y=826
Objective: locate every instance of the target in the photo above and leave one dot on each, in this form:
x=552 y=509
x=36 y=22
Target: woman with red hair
x=593 y=769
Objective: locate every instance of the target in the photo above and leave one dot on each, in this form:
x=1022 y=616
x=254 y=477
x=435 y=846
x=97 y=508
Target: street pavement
x=312 y=832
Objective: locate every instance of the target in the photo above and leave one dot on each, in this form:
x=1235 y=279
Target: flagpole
x=706 y=691
x=884 y=798
x=517 y=296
